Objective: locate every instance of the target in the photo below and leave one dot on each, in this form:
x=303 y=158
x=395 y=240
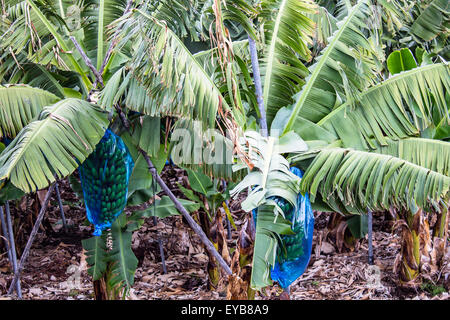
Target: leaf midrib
x=101 y=14
x=318 y=68
x=271 y=56
x=397 y=77
x=122 y=256
x=41 y=125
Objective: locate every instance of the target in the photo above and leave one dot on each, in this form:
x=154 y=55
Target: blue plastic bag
x=104 y=179
x=294 y=251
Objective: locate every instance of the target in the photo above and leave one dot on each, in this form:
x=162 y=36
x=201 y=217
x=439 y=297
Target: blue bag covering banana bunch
x=294 y=251
x=104 y=178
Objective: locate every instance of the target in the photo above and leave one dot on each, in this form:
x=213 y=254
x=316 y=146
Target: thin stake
x=5 y=234
x=161 y=249
x=12 y=245
x=61 y=209
x=155 y=222
x=33 y=234
x=369 y=227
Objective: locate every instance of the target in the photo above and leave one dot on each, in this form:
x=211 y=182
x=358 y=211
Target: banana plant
x=349 y=110
x=367 y=132
x=365 y=128
x=93 y=66
x=270 y=177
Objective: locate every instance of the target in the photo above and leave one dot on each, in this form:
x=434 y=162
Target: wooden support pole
x=369 y=228
x=12 y=246
x=258 y=86
x=5 y=234
x=61 y=209
x=197 y=229
x=88 y=61
x=33 y=234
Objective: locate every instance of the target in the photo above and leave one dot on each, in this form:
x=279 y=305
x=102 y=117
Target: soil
x=56 y=267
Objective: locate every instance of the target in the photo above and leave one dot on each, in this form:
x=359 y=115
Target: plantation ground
x=57 y=269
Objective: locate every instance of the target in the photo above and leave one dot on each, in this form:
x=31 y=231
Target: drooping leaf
x=344 y=68
x=427 y=153
x=19 y=105
x=169 y=74
x=354 y=181
x=64 y=133
x=288 y=32
x=432 y=21
x=398 y=107
x=47 y=24
x=123 y=259
x=96 y=256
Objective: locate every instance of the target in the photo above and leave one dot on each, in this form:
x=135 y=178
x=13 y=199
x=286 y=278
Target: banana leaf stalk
x=441 y=228
x=61 y=209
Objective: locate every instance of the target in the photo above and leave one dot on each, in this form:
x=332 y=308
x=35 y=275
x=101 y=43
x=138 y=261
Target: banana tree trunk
x=410 y=251
x=241 y=263
x=103 y=289
x=212 y=268
x=441 y=228
x=100 y=291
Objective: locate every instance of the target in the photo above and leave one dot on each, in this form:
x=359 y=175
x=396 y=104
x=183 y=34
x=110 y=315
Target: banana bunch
x=292 y=244
x=104 y=179
x=294 y=251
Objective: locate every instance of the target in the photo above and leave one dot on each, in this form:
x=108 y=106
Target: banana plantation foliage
x=245 y=122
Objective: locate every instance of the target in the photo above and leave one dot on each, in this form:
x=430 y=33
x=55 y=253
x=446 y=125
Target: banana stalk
x=410 y=252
